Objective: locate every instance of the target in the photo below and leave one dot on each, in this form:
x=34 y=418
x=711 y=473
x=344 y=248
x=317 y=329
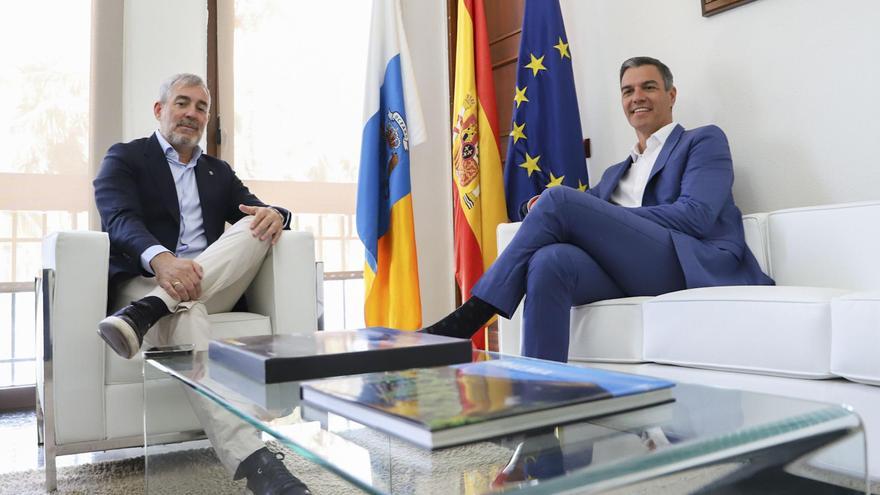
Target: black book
x=451 y=405
x=279 y=398
x=282 y=358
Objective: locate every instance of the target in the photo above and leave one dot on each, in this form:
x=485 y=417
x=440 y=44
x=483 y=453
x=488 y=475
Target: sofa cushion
x=775 y=330
x=609 y=331
x=228 y=325
x=170 y=410
x=825 y=246
x=223 y=325
x=855 y=337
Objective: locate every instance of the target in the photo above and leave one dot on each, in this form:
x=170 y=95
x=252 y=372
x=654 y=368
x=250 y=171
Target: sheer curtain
x=44 y=172
x=292 y=74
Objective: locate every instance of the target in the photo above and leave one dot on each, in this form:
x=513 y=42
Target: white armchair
x=89 y=399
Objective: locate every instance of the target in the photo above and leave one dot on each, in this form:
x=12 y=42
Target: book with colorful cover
x=290 y=357
x=451 y=405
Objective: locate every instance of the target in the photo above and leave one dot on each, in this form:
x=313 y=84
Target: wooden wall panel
x=505 y=80
x=504 y=24
x=503 y=16
x=504 y=50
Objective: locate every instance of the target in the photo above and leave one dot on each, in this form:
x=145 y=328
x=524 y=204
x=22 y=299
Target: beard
x=176 y=138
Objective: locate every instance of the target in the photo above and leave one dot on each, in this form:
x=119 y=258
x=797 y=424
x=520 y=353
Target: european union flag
x=546 y=144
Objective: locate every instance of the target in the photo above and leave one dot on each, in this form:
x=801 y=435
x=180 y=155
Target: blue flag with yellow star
x=546 y=145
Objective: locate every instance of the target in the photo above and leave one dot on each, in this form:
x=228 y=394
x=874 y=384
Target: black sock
x=464 y=321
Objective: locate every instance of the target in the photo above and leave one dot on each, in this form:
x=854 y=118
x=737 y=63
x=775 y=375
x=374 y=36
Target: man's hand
x=181 y=278
x=267 y=222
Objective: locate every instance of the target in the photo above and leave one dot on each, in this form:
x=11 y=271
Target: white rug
x=187 y=472
x=199 y=472
x=125 y=476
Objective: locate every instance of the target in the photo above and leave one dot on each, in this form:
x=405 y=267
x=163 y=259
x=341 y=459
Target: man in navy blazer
x=662 y=220
x=137 y=198
x=164 y=205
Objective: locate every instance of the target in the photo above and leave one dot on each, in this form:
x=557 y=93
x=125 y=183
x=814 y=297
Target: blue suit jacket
x=689 y=192
x=137 y=200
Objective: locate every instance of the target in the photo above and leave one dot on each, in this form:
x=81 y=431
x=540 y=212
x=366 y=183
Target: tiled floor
x=19 y=452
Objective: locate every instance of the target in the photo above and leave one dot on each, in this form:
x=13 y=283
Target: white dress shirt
x=631 y=188
x=192 y=240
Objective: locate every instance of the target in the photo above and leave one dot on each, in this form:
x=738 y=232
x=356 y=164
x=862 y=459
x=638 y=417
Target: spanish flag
x=476 y=158
x=393 y=124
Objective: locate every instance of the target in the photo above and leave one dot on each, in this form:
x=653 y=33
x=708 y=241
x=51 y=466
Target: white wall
x=425 y=24
x=791 y=82
x=161 y=38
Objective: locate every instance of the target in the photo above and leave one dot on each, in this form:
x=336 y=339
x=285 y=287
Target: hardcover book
x=280 y=397
x=451 y=405
x=281 y=358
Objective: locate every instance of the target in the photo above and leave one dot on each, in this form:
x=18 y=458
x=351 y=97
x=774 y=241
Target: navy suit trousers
x=571 y=249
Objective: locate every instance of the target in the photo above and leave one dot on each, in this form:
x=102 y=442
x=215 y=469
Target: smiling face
x=183 y=117
x=647 y=104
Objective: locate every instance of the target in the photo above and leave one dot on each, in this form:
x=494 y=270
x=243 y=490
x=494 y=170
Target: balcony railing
x=17 y=334
x=343 y=308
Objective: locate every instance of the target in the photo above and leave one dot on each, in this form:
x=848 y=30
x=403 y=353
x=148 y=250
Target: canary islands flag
x=393 y=125
x=546 y=144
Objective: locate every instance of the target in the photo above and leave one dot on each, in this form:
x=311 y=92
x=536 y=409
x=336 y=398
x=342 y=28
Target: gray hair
x=186 y=80
x=634 y=62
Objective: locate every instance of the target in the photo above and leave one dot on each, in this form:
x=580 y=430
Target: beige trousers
x=229 y=264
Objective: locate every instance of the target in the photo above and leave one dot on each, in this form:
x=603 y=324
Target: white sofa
x=815 y=335
x=90 y=399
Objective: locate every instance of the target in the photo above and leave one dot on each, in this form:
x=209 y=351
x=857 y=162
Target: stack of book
x=282 y=358
x=452 y=405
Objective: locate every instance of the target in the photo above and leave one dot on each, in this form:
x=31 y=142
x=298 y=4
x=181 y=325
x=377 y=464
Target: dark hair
x=640 y=61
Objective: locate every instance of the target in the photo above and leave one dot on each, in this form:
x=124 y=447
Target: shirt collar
x=172 y=154
x=654 y=141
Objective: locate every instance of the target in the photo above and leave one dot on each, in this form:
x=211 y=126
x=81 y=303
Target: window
x=298 y=77
x=44 y=183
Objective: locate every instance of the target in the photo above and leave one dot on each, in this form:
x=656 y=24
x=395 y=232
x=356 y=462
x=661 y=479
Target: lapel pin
x=210 y=172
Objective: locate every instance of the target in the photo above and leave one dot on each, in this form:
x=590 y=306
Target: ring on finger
x=176 y=283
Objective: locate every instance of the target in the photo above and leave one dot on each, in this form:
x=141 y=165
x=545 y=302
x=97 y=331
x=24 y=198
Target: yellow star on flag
x=563 y=49
x=582 y=187
x=554 y=181
x=537 y=64
x=517 y=132
x=520 y=96
x=531 y=164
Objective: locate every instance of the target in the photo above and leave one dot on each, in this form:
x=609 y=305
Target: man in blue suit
x=164 y=205
x=662 y=220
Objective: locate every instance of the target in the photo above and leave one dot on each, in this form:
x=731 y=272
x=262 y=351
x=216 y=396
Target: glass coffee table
x=708 y=440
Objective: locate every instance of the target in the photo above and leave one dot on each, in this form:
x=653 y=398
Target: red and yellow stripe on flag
x=476 y=157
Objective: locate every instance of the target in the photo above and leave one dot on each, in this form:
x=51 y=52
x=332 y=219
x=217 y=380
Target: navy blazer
x=690 y=193
x=137 y=200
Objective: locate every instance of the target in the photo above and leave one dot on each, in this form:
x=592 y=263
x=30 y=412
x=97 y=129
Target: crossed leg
x=574 y=248
x=230 y=264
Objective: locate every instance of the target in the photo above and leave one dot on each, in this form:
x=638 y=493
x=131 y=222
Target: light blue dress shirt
x=191 y=241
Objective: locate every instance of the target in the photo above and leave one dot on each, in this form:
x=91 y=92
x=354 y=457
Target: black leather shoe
x=266 y=475
x=124 y=330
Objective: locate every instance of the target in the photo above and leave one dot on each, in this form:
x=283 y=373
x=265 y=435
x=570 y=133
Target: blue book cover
x=449 y=405
x=290 y=357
